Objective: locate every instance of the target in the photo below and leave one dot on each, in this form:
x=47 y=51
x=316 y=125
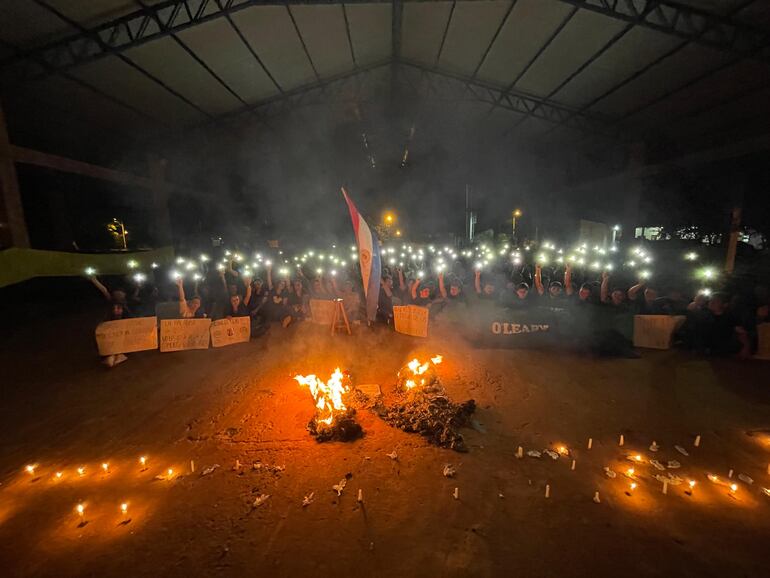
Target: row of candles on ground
x=31 y=469
x=630 y=473
x=80 y=508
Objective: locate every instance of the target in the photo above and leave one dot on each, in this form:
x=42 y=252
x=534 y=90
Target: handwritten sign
x=127 y=335
x=182 y=334
x=322 y=311
x=229 y=331
x=656 y=331
x=411 y=320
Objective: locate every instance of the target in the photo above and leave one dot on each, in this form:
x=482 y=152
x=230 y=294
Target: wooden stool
x=340 y=318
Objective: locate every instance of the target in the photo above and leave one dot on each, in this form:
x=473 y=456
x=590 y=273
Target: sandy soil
x=62 y=410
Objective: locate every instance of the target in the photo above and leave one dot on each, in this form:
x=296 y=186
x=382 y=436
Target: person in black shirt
x=385 y=303
x=644 y=300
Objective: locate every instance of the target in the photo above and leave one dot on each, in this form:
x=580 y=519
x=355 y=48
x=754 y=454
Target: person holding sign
x=189 y=309
x=118 y=309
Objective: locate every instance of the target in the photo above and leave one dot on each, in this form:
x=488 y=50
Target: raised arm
x=605 y=289
x=401 y=283
x=182 y=298
x=415 y=285
x=441 y=287
x=568 y=288
x=539 y=280
x=477 y=281
x=247 y=297
x=270 y=277
x=102 y=289
x=632 y=292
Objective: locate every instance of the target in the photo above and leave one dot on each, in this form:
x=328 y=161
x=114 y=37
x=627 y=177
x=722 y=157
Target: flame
x=327 y=396
x=418 y=368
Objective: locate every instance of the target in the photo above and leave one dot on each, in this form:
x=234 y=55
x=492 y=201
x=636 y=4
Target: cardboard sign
x=181 y=334
x=763 y=341
x=229 y=331
x=514 y=329
x=656 y=331
x=127 y=335
x=322 y=311
x=411 y=320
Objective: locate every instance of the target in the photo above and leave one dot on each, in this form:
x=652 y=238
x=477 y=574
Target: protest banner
x=127 y=335
x=656 y=331
x=510 y=329
x=411 y=320
x=763 y=341
x=229 y=331
x=182 y=334
x=322 y=311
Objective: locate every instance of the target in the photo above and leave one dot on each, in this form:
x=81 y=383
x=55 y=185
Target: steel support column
x=13 y=226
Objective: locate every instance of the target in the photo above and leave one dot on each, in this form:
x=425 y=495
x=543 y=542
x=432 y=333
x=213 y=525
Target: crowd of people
x=450 y=284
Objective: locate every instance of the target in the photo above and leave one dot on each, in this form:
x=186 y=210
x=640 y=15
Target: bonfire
x=333 y=420
x=422 y=406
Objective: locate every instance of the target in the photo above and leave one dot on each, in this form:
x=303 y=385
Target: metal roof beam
x=521 y=103
x=145 y=25
x=690 y=24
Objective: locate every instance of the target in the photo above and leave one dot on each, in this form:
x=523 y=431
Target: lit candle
x=81 y=471
x=591 y=443
x=630 y=472
x=124 y=509
x=562 y=450
x=637 y=458
x=106 y=467
x=31 y=469
x=632 y=487
x=691 y=485
x=59 y=475
x=143 y=461
x=170 y=473
x=360 y=495
x=733 y=488
x=697 y=441
x=81 y=509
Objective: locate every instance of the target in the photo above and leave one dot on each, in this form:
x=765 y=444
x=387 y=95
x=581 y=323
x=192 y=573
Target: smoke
x=280 y=177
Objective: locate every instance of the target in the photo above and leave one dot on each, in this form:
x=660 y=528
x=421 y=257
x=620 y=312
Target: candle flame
x=633 y=485
x=80 y=508
x=124 y=507
x=81 y=471
x=105 y=466
x=59 y=475
x=143 y=460
x=30 y=469
x=692 y=484
x=733 y=487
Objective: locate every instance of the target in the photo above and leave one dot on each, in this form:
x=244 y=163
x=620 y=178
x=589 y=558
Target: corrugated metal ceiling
x=573 y=54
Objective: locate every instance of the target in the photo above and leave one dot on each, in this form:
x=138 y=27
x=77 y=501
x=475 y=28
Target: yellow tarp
x=17 y=265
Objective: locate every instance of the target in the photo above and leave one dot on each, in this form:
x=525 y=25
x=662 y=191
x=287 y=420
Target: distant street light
x=515 y=215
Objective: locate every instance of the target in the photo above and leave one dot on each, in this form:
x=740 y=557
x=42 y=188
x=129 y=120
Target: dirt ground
x=62 y=410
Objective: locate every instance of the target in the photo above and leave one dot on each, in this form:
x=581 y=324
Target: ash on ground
x=343 y=429
x=426 y=409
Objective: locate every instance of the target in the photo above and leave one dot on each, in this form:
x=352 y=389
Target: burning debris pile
x=422 y=406
x=333 y=420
